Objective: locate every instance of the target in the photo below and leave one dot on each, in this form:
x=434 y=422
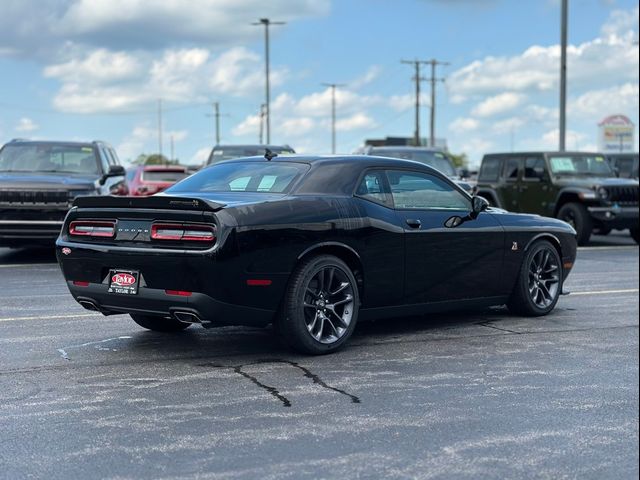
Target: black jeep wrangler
x=39 y=180
x=580 y=188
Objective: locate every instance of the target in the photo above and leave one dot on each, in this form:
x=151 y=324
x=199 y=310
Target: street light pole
x=563 y=75
x=333 y=113
x=266 y=22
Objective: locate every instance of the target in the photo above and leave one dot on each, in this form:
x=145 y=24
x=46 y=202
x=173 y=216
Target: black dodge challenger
x=310 y=244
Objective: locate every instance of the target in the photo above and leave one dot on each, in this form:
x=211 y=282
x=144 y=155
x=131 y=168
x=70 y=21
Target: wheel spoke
x=312 y=293
x=343 y=285
x=341 y=321
x=330 y=273
x=332 y=327
x=346 y=299
x=313 y=324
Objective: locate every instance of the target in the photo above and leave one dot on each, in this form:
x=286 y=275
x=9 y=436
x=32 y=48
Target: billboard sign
x=616 y=133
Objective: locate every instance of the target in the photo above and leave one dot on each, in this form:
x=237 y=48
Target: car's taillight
x=180 y=232
x=90 y=228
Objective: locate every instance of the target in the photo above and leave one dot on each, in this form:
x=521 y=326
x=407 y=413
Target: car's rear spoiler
x=154 y=202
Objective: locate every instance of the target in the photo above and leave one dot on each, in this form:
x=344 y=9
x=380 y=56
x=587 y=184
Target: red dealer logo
x=123 y=279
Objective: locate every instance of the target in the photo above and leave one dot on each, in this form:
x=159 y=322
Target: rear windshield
x=48 y=158
x=437 y=160
x=270 y=177
x=239 y=151
x=163 y=175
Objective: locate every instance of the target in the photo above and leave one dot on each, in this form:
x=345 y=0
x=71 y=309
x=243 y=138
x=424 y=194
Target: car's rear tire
x=576 y=215
x=635 y=234
x=159 y=324
x=320 y=308
x=539 y=281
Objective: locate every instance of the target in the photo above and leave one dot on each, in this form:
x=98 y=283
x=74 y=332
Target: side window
x=489 y=170
x=104 y=160
x=113 y=158
x=510 y=171
x=372 y=187
x=416 y=190
x=534 y=168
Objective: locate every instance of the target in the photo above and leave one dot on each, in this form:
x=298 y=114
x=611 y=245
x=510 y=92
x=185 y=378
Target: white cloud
x=536 y=69
x=464 y=124
x=26 y=125
x=106 y=81
x=201 y=155
x=372 y=73
x=37 y=28
x=596 y=104
x=501 y=103
x=144 y=139
x=357 y=121
x=403 y=102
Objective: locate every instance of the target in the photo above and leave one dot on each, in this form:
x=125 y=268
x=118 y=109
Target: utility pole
x=563 y=74
x=216 y=115
x=160 y=127
x=432 y=128
x=266 y=22
x=172 y=155
x=333 y=113
x=262 y=115
x=416 y=64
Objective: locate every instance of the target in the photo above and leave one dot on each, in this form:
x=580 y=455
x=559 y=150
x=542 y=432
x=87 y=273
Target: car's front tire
x=539 y=282
x=320 y=308
x=159 y=324
x=577 y=215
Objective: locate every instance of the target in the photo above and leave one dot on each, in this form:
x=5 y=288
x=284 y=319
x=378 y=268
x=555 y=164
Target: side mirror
x=114 y=171
x=478 y=204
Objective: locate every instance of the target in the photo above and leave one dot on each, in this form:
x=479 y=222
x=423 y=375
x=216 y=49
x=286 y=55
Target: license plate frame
x=119 y=279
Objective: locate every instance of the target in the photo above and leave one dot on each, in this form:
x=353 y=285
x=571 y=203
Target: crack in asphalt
x=273 y=391
x=489 y=325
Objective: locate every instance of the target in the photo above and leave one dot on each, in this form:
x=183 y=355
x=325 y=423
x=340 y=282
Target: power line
x=333 y=87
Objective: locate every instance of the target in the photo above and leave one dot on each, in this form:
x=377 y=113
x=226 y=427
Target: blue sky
x=94 y=69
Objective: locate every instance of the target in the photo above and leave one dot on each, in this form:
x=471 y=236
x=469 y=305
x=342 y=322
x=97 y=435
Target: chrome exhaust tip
x=89 y=305
x=186 y=317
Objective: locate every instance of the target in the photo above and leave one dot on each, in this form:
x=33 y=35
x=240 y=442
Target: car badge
x=66 y=250
x=514 y=246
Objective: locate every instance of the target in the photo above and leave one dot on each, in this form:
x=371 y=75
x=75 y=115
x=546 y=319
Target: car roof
x=53 y=142
x=407 y=148
x=251 y=145
x=541 y=152
x=365 y=160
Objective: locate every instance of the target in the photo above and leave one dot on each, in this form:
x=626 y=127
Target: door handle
x=414 y=222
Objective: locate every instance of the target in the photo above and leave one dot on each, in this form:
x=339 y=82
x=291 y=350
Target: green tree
x=460 y=160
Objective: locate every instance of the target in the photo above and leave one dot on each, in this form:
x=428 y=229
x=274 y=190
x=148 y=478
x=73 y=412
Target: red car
x=146 y=180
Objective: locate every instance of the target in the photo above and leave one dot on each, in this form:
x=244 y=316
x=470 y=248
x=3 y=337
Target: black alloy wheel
x=159 y=324
x=577 y=215
x=539 y=281
x=320 y=308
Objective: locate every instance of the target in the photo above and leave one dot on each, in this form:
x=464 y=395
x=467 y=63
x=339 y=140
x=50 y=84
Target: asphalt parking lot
x=478 y=394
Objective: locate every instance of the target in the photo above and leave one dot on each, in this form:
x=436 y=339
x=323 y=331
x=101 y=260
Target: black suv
x=580 y=188
x=625 y=164
x=432 y=157
x=39 y=180
x=227 y=152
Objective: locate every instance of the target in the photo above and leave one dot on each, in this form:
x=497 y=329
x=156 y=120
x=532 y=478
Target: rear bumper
x=616 y=217
x=208 y=311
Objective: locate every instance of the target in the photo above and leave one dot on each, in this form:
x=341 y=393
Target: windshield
x=269 y=177
x=48 y=158
x=581 y=165
x=437 y=160
x=238 y=151
x=163 y=175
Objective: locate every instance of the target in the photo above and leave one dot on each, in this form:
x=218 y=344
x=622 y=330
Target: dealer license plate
x=123 y=282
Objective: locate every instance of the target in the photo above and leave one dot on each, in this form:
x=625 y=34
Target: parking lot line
x=48 y=317
x=605 y=292
x=18 y=265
